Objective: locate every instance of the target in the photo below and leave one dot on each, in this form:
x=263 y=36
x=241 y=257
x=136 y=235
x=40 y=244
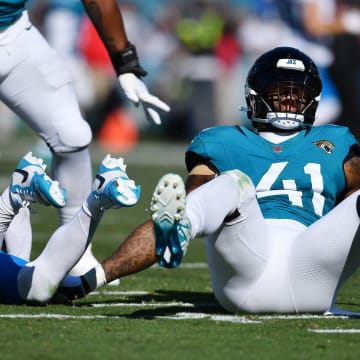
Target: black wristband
x=126 y=61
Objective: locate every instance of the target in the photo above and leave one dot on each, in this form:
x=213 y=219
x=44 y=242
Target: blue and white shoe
x=112 y=187
x=172 y=227
x=30 y=183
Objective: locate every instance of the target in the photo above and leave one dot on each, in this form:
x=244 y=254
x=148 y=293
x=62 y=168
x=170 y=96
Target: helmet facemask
x=284 y=104
x=283 y=92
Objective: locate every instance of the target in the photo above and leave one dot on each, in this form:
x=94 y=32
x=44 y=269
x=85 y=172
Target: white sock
x=18 y=238
x=7 y=213
x=92 y=207
x=73 y=171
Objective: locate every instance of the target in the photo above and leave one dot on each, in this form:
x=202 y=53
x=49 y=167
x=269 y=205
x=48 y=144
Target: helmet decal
x=292 y=64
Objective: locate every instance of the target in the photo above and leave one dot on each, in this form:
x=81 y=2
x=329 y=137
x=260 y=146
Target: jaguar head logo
x=325 y=145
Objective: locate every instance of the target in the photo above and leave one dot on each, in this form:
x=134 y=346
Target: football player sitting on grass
x=278 y=204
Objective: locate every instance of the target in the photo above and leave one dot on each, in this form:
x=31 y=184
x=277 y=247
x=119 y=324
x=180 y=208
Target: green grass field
x=159 y=313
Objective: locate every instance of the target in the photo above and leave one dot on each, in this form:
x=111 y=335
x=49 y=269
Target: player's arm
x=352 y=175
x=136 y=253
x=107 y=19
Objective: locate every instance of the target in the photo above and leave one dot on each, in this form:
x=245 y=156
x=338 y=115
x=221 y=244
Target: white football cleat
x=172 y=227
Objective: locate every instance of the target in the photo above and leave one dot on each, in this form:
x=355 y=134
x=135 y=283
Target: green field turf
x=160 y=313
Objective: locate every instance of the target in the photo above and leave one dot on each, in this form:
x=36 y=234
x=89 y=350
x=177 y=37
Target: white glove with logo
x=137 y=92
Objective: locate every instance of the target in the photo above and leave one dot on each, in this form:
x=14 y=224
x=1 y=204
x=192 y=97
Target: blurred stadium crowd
x=197 y=53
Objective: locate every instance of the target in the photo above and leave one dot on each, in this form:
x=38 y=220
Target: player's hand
x=137 y=92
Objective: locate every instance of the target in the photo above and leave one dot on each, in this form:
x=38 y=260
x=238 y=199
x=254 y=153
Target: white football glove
x=137 y=92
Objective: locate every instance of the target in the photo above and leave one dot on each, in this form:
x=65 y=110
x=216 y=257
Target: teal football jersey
x=10 y=11
x=299 y=179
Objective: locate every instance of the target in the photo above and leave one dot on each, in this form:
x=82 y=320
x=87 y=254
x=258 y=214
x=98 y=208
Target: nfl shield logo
x=277 y=148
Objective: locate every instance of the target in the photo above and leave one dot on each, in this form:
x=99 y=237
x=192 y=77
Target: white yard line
x=143 y=304
x=189 y=316
x=116 y=292
x=241 y=319
x=335 y=331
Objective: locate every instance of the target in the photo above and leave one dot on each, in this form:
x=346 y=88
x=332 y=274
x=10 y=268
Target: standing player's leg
x=46 y=101
x=38 y=88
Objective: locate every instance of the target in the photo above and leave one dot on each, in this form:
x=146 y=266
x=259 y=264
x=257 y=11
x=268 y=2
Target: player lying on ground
x=42 y=280
x=279 y=204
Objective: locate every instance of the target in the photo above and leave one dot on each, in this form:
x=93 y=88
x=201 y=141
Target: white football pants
x=36 y=85
x=271 y=265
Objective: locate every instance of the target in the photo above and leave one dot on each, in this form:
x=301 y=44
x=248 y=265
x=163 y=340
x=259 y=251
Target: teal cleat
x=112 y=186
x=29 y=183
